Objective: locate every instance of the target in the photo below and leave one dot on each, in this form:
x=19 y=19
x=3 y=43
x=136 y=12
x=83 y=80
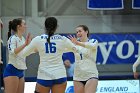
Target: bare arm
x=31 y=48
x=13 y=45
x=90 y=45
x=135 y=66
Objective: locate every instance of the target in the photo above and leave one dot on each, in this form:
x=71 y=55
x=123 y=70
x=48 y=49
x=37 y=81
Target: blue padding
x=30 y=79
x=108 y=77
x=33 y=79
x=116 y=77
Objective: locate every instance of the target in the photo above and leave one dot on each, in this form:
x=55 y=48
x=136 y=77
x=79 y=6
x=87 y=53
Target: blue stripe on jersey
x=81 y=56
x=94 y=40
x=10 y=43
x=41 y=37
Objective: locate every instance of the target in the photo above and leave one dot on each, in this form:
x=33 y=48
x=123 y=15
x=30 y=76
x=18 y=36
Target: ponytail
x=49 y=36
x=50 y=26
x=13 y=26
x=10 y=29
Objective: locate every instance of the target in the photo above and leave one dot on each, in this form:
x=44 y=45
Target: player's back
x=50 y=53
x=51 y=56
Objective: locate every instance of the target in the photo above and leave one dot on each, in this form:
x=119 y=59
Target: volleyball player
x=85 y=71
x=14 y=71
x=51 y=72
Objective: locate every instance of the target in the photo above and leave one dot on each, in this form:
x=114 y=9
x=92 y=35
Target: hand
x=28 y=39
x=67 y=63
x=73 y=39
x=136 y=75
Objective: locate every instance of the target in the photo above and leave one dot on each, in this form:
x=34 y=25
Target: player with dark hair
x=51 y=72
x=85 y=71
x=14 y=71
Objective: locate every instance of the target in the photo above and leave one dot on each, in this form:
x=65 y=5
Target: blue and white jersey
x=17 y=60
x=51 y=65
x=85 y=65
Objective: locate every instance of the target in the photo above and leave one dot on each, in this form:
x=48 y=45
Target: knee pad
x=36 y=92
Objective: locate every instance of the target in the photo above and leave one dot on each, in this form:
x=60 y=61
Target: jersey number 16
x=50 y=48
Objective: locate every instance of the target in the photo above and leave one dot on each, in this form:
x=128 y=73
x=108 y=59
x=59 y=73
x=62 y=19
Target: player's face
x=22 y=27
x=81 y=33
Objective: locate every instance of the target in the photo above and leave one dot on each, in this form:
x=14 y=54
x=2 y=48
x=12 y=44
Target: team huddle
x=51 y=71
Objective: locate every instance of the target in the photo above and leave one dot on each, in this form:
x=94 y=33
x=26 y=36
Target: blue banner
x=117 y=48
x=105 y=4
x=136 y=4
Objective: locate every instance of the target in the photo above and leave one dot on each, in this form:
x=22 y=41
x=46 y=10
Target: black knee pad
x=36 y=92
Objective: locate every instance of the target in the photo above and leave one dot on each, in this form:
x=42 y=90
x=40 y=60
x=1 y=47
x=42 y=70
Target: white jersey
x=51 y=65
x=85 y=65
x=17 y=60
x=136 y=64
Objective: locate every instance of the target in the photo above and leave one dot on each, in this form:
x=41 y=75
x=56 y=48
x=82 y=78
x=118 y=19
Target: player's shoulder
x=13 y=37
x=93 y=40
x=62 y=36
x=54 y=37
x=43 y=36
x=57 y=36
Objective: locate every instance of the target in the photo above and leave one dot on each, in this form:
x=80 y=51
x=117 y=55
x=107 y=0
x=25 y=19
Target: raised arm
x=69 y=46
x=135 y=66
x=12 y=46
x=31 y=48
x=92 y=44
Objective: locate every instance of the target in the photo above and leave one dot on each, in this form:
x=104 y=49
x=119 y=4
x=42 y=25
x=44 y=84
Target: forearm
x=136 y=64
x=87 y=45
x=69 y=46
x=17 y=50
x=80 y=43
x=30 y=49
x=134 y=68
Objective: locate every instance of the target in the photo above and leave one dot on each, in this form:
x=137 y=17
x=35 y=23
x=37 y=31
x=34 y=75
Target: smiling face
x=82 y=33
